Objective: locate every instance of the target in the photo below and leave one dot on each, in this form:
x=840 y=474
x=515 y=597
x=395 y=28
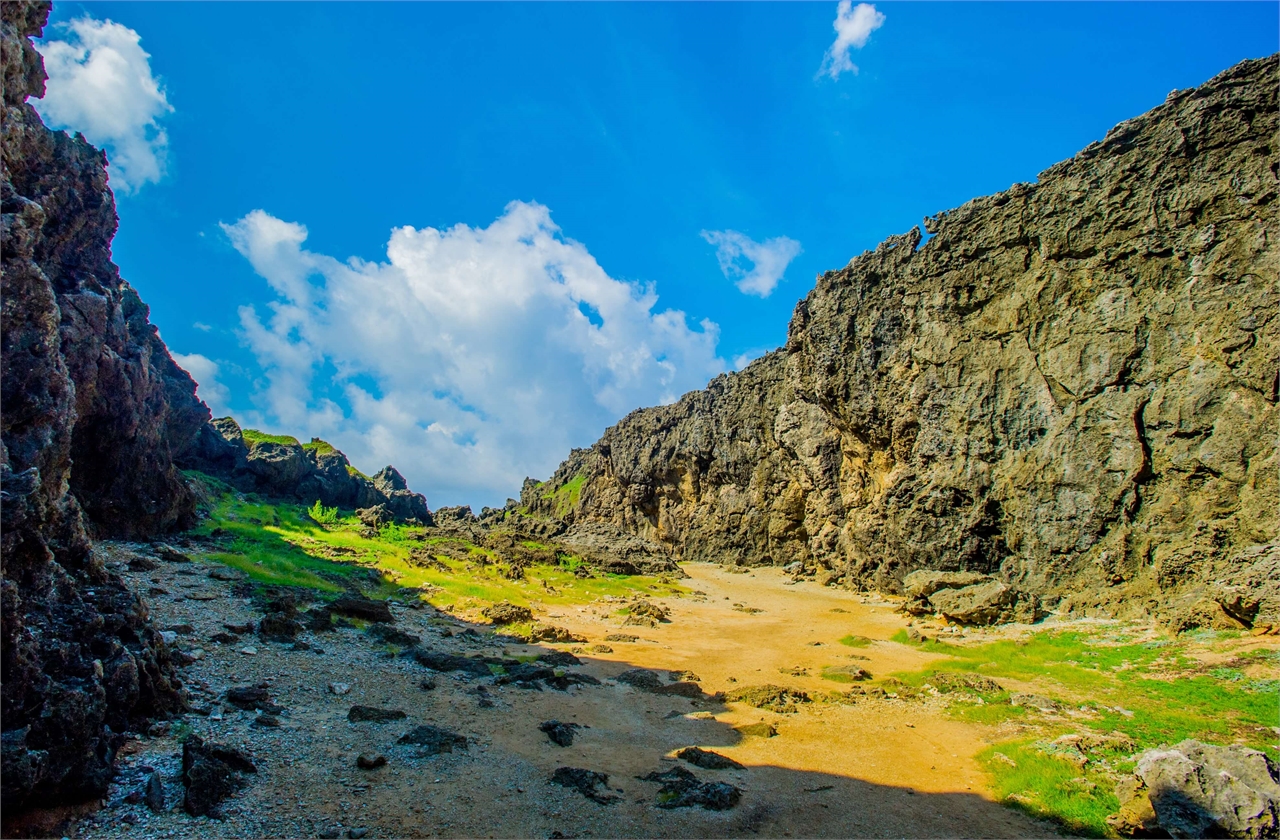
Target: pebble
x=339 y=688
x=249 y=651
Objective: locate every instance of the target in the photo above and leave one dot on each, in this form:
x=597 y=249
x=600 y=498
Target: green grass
x=322 y=514
x=282 y=544
x=320 y=447
x=1154 y=692
x=252 y=436
x=1051 y=787
x=565 y=497
x=355 y=473
x=855 y=641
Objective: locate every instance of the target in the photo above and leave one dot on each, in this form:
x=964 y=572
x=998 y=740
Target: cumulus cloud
x=100 y=84
x=205 y=372
x=769 y=259
x=470 y=358
x=853 y=26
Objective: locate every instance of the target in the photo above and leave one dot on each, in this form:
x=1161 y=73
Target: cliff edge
x=94 y=410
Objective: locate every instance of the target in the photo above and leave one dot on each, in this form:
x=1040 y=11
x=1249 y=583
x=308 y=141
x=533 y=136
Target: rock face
x=1071 y=385
x=281 y=467
x=94 y=407
x=1200 y=790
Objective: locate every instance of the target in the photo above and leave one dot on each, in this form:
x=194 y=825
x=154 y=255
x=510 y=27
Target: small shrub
x=322 y=514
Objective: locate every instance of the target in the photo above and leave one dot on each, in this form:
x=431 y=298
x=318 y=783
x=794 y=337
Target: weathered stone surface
x=1201 y=790
x=925 y=582
x=1071 y=386
x=93 y=407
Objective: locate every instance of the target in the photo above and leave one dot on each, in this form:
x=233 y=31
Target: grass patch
x=565 y=497
x=855 y=641
x=284 y=545
x=252 y=436
x=1154 y=692
x=1049 y=787
x=355 y=473
x=320 y=447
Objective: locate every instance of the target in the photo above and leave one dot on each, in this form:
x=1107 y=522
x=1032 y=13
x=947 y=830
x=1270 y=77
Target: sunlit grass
x=1153 y=692
x=283 y=544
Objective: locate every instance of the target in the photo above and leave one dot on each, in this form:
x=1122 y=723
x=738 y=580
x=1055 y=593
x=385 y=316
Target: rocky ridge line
x=1070 y=386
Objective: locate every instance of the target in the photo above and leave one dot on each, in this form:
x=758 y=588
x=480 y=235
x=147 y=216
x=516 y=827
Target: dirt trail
x=875 y=769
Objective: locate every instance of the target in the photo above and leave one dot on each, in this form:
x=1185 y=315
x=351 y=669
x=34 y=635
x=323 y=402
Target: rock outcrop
x=1200 y=790
x=280 y=467
x=94 y=408
x=1070 y=385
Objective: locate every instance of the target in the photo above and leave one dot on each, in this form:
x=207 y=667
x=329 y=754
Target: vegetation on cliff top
x=252 y=436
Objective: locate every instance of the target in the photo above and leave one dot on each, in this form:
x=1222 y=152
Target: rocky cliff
x=1071 y=385
x=280 y=467
x=94 y=408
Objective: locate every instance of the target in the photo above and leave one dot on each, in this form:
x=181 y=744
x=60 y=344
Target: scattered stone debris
x=559 y=659
x=1035 y=701
x=947 y=682
x=641 y=678
x=392 y=636
x=559 y=733
x=682 y=789
x=540 y=632
x=211 y=773
x=846 y=672
x=646 y=613
x=774 y=698
x=372 y=714
x=433 y=739
x=707 y=759
x=251 y=698
x=621 y=637
x=589 y=783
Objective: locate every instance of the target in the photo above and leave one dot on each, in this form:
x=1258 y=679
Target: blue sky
x=596 y=206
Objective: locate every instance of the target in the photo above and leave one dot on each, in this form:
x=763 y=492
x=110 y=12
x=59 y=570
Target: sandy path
x=875 y=769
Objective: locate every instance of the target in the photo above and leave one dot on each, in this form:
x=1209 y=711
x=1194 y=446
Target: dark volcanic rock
x=433 y=739
x=359 y=714
x=559 y=733
x=367 y=609
x=93 y=407
x=1071 y=385
x=707 y=759
x=592 y=784
x=507 y=613
x=211 y=773
x=682 y=789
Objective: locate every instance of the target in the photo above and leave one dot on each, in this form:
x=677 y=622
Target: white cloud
x=201 y=326
x=100 y=84
x=769 y=259
x=205 y=372
x=853 y=25
x=471 y=358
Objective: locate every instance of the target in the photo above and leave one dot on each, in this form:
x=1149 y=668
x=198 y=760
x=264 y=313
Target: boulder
x=925 y=582
x=507 y=613
x=211 y=773
x=989 y=602
x=1200 y=790
x=366 y=609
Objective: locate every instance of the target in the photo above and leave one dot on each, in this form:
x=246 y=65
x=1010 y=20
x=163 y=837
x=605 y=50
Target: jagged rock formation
x=93 y=408
x=281 y=467
x=1072 y=384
